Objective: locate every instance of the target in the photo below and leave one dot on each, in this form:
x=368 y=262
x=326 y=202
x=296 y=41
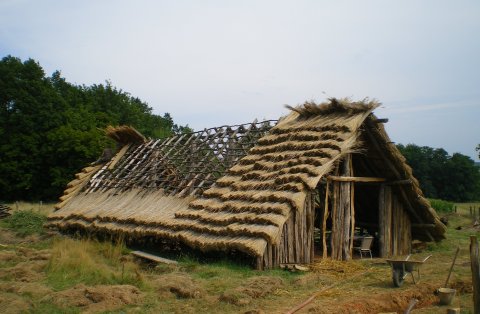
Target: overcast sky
x=210 y=63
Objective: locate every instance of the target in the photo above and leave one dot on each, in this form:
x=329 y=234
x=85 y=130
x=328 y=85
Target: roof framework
x=184 y=164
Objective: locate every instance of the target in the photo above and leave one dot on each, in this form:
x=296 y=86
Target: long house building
x=277 y=191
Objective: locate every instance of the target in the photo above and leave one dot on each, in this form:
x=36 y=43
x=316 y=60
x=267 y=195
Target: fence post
x=475 y=273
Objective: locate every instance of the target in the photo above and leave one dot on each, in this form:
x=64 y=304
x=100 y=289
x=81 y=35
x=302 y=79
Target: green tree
x=453 y=178
x=50 y=129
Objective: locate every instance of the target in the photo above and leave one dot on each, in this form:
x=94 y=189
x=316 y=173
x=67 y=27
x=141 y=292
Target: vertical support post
x=346 y=204
x=324 y=223
x=385 y=220
x=342 y=214
x=475 y=273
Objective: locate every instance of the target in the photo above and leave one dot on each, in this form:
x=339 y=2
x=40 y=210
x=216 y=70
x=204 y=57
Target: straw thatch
x=124 y=134
x=165 y=188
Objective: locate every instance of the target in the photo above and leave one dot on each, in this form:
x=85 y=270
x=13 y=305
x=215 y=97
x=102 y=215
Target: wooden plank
x=118 y=156
x=355 y=179
x=153 y=258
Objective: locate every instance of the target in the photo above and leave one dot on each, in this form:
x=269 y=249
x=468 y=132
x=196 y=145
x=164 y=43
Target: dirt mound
x=27 y=288
x=255 y=287
x=34 y=255
x=462 y=287
x=180 y=284
x=394 y=301
x=25 y=271
x=13 y=304
x=9 y=237
x=97 y=298
x=8 y=256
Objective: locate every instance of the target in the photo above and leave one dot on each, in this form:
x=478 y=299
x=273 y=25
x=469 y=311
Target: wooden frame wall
x=295 y=245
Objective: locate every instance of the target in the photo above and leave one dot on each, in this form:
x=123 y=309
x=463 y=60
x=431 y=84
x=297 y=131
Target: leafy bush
x=442 y=206
x=26 y=222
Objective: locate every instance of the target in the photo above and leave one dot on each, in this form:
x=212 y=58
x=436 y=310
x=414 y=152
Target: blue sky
x=210 y=63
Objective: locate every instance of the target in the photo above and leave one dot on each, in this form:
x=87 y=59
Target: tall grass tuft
x=90 y=262
x=25 y=222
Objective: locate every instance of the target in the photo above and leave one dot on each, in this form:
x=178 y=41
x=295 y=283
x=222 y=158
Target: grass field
x=45 y=273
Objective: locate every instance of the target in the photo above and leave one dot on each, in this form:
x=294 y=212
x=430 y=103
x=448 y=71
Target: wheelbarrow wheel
x=398 y=276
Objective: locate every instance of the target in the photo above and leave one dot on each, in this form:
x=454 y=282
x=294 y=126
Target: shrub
x=26 y=222
x=442 y=206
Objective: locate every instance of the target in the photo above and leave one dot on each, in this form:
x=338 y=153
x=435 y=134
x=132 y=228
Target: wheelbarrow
x=401 y=268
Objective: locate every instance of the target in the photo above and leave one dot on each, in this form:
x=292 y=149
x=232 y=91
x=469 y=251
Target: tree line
x=50 y=128
x=442 y=176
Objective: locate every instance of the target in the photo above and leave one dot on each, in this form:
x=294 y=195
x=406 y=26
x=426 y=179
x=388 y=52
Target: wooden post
x=342 y=215
x=475 y=273
x=385 y=220
x=324 y=223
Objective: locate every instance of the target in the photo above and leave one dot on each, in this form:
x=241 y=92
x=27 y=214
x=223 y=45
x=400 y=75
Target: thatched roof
x=179 y=188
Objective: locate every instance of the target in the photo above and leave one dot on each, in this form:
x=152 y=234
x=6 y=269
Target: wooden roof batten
x=184 y=164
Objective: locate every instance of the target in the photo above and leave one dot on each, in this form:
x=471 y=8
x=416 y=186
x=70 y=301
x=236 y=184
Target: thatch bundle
x=335 y=106
x=124 y=134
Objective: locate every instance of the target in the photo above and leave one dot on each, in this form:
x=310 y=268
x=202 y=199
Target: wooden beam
x=355 y=179
x=380 y=120
x=423 y=225
x=400 y=182
x=153 y=258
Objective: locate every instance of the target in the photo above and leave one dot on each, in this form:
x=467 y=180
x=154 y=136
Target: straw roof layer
x=248 y=205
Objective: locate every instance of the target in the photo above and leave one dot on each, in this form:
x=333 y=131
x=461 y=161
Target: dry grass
x=39 y=207
x=90 y=262
x=72 y=266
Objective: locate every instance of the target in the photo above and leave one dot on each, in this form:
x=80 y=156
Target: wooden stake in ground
x=451 y=267
x=475 y=273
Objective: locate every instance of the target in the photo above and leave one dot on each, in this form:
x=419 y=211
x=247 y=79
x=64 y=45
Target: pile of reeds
x=124 y=134
x=4 y=211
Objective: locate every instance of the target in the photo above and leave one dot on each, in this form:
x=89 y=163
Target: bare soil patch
x=392 y=301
